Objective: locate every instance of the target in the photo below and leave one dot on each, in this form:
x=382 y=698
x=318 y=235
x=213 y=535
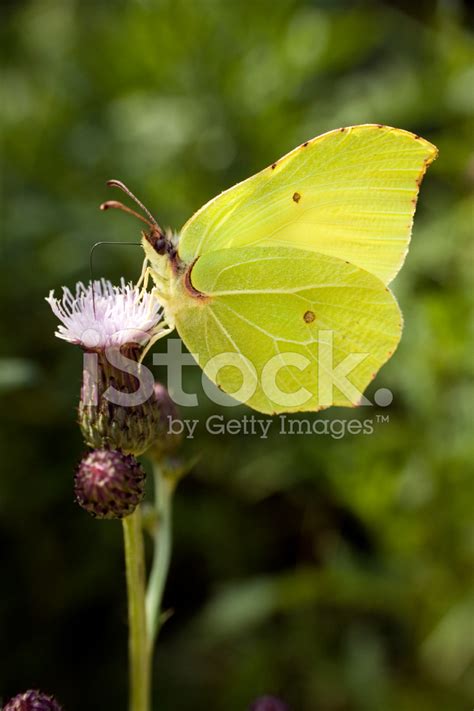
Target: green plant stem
x=164 y=487
x=139 y=657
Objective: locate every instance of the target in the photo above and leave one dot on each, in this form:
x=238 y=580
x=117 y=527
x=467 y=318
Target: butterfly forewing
x=350 y=193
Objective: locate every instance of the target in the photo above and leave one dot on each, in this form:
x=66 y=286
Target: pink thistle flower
x=115 y=326
x=101 y=316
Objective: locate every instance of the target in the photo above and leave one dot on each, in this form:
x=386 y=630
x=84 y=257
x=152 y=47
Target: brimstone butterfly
x=278 y=286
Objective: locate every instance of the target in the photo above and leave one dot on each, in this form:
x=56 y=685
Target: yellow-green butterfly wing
x=279 y=284
x=287 y=329
x=350 y=193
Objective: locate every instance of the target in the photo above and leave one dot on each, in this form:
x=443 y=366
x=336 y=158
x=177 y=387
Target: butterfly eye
x=157 y=240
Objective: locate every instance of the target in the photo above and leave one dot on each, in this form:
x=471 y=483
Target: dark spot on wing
x=296 y=197
x=274 y=165
x=342 y=130
x=305 y=144
x=309 y=316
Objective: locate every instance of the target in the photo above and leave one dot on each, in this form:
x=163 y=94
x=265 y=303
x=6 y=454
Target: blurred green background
x=336 y=573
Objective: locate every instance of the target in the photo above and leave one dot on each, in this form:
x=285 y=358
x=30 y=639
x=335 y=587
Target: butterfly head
x=161 y=242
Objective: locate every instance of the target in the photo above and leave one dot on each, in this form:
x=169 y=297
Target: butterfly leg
x=144 y=280
x=143 y=274
x=161 y=334
x=160 y=282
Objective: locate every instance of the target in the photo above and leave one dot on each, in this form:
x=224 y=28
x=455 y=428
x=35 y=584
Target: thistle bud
x=166 y=442
x=32 y=701
x=268 y=703
x=109 y=483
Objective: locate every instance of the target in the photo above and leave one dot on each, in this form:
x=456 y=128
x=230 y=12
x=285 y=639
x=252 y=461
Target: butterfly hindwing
x=292 y=317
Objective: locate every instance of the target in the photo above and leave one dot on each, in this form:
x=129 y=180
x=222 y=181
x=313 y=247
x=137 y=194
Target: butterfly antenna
x=120 y=206
x=127 y=191
x=91 y=255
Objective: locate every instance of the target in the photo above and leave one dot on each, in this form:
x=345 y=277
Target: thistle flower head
x=113 y=324
x=109 y=484
x=101 y=315
x=32 y=701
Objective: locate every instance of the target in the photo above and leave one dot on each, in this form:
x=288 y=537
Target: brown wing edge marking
x=195 y=293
